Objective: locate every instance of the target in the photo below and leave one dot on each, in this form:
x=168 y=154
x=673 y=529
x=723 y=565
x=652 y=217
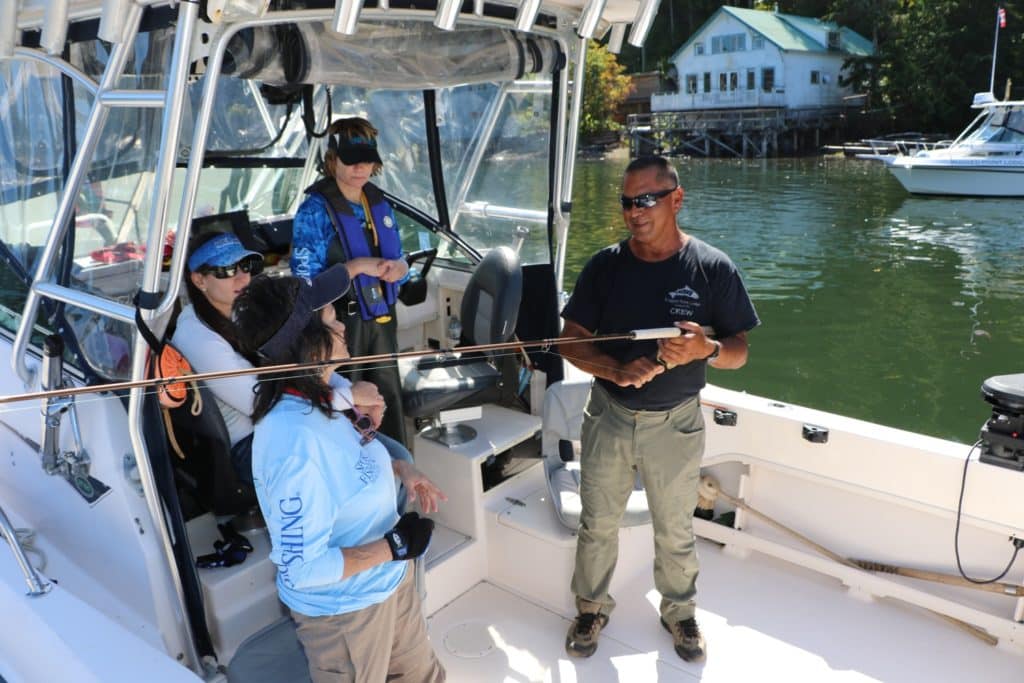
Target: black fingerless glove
x=410 y=537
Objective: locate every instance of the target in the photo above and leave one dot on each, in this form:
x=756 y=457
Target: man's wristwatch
x=714 y=354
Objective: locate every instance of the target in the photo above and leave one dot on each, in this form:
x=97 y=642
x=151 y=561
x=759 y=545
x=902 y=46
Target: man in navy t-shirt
x=643 y=414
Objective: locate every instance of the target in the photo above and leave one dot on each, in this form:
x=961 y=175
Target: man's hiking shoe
x=687 y=638
x=583 y=633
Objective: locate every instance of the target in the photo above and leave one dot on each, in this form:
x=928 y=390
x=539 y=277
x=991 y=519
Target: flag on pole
x=1002 y=18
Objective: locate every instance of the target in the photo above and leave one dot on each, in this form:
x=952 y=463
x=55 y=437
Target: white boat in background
x=128 y=125
x=986 y=160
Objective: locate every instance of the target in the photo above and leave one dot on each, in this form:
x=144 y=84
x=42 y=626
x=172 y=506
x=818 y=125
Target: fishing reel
x=1002 y=435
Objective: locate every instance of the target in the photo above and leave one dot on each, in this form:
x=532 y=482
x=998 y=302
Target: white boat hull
x=960 y=177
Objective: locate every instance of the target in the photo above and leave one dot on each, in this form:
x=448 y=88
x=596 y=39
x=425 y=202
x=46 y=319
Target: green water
x=874 y=304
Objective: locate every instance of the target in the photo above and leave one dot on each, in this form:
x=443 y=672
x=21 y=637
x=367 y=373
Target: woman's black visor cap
x=313 y=295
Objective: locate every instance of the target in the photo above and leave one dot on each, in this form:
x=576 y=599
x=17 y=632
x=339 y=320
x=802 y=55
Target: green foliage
x=606 y=86
x=932 y=55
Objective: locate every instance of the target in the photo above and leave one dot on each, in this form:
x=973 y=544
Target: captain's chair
x=490 y=306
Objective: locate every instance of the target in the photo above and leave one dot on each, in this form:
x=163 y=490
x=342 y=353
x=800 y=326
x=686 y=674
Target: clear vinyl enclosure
x=487 y=157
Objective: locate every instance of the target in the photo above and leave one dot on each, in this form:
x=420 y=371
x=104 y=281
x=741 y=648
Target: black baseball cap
x=312 y=296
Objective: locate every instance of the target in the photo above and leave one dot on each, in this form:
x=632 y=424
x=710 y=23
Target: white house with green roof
x=744 y=58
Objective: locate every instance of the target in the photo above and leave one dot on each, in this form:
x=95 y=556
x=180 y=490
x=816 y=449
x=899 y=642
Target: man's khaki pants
x=377 y=643
x=666 y=448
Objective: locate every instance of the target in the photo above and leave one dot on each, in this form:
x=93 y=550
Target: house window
x=815 y=77
x=707 y=81
x=723 y=79
x=698 y=48
x=834 y=40
x=691 y=84
x=750 y=80
x=734 y=42
x=756 y=41
x=768 y=79
x=734 y=80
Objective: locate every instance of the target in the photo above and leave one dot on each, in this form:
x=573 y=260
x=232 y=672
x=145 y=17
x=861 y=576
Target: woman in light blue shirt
x=326 y=490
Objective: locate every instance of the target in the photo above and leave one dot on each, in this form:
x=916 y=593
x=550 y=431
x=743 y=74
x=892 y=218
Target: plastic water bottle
x=454 y=331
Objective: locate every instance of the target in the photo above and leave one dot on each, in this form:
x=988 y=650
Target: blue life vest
x=352 y=235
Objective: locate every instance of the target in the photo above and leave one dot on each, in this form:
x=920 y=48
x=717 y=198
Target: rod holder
x=346 y=16
x=55 y=27
x=8 y=28
x=527 y=14
x=447 y=14
x=643 y=22
x=112 y=16
x=52 y=378
x=616 y=38
x=590 y=18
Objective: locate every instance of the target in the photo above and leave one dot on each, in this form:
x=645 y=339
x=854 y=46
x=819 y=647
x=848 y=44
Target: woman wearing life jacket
x=341 y=549
x=345 y=217
x=219 y=268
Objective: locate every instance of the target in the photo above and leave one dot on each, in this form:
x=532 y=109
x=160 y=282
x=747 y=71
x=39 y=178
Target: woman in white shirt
x=219 y=269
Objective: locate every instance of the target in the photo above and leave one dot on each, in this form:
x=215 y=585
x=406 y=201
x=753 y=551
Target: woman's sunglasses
x=647 y=200
x=364 y=425
x=250 y=264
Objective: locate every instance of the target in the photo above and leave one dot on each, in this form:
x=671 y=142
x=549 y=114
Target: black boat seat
x=490 y=307
x=206 y=473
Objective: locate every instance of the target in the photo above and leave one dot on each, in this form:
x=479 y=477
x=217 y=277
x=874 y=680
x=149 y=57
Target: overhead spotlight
x=642 y=23
x=447 y=14
x=112 y=18
x=590 y=18
x=346 y=16
x=8 y=27
x=616 y=38
x=527 y=14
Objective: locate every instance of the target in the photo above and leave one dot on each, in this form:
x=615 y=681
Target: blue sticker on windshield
x=424 y=240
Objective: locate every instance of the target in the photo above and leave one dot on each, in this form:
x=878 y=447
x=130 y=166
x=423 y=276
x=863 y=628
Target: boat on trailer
x=127 y=126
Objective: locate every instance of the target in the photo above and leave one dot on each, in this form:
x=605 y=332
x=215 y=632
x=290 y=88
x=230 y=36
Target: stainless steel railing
x=36 y=585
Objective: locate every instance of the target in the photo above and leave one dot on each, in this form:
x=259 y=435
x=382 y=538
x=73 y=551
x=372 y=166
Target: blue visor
x=222 y=250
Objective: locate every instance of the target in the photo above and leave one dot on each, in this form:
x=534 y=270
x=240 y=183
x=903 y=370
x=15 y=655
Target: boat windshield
x=492 y=140
x=1005 y=125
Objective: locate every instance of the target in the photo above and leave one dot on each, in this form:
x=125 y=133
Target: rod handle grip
x=656 y=333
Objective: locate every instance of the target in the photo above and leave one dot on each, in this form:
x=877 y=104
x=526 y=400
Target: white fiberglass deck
x=764 y=620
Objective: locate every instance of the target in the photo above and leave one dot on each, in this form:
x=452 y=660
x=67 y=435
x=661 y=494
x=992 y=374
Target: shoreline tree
x=606 y=87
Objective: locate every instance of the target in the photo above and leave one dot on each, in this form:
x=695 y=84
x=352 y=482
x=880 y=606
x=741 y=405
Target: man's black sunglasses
x=646 y=200
x=250 y=264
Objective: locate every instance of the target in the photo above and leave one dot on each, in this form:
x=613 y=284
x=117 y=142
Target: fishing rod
x=544 y=344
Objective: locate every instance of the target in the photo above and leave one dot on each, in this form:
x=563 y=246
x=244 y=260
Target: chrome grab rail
x=36 y=585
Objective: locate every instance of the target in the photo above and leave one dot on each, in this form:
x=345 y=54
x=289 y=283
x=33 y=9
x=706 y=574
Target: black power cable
x=1017 y=543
